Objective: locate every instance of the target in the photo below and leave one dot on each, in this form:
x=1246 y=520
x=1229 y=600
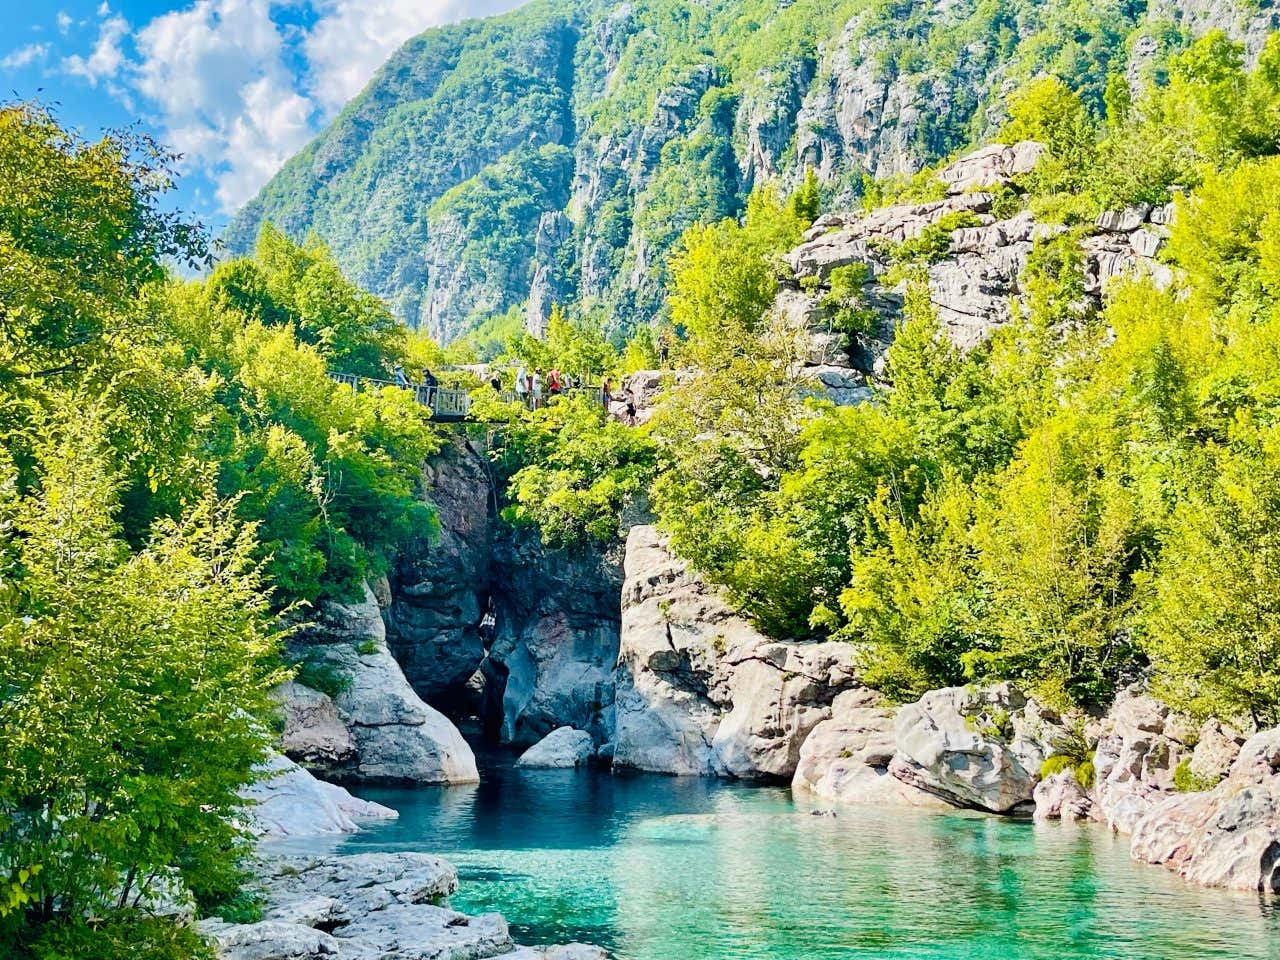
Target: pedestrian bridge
x=447 y=404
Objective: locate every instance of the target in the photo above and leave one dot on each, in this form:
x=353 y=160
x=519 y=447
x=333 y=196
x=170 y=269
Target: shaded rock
x=563 y=747
x=439 y=586
x=978 y=748
x=556 y=640
x=315 y=734
x=846 y=758
x=290 y=802
x=700 y=691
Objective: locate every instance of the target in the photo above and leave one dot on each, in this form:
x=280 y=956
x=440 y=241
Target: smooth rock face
x=978 y=748
x=290 y=802
x=700 y=691
x=846 y=758
x=398 y=738
x=1225 y=837
x=562 y=747
x=315 y=734
x=380 y=906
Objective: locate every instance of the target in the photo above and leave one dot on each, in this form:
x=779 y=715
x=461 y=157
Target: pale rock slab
x=563 y=747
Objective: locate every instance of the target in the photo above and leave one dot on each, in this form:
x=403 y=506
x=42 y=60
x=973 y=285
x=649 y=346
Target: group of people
x=429 y=381
x=532 y=387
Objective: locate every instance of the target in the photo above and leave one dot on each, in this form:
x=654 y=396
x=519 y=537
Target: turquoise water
x=657 y=868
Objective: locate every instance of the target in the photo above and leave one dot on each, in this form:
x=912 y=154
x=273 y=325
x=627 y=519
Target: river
x=659 y=868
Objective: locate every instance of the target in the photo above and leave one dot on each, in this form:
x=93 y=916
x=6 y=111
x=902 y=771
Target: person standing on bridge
x=400 y=377
x=522 y=387
x=429 y=385
x=535 y=389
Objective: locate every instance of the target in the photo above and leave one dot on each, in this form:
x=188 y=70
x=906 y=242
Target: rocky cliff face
x=556 y=153
x=701 y=692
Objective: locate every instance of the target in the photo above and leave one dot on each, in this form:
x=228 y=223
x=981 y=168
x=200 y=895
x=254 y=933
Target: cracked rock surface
x=700 y=691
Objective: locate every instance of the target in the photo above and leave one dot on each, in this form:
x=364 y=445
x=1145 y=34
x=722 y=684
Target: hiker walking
x=522 y=387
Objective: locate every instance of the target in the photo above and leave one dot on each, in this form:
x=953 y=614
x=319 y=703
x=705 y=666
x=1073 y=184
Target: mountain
x=556 y=153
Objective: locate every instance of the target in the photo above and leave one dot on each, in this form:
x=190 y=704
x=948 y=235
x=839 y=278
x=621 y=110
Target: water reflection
x=682 y=869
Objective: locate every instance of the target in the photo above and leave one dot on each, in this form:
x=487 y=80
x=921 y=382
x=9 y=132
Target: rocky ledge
x=369 y=907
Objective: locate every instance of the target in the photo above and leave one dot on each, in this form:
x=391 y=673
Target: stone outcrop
x=289 y=802
x=974 y=285
x=1061 y=796
x=397 y=737
x=846 y=758
x=562 y=747
x=699 y=690
x=369 y=907
x=1225 y=837
x=439 y=586
x=1140 y=744
x=315 y=733
x=974 y=747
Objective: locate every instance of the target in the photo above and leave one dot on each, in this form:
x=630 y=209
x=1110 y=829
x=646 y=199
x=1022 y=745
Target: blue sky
x=237 y=86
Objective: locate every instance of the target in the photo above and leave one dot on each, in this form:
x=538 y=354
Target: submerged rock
x=562 y=747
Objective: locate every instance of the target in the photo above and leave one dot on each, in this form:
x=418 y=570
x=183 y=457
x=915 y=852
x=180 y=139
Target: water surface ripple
x=658 y=868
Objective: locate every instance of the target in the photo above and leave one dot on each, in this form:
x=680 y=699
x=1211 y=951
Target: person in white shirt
x=537 y=389
x=522 y=387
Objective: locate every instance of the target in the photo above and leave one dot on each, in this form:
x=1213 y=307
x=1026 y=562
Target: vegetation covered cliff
x=556 y=154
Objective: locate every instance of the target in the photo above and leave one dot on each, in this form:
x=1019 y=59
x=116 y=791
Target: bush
x=319 y=674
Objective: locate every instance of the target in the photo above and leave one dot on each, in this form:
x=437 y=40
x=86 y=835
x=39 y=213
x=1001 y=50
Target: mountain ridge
x=554 y=154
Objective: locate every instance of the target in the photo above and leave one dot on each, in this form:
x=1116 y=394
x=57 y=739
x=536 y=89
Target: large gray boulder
x=700 y=691
x=289 y=802
x=1061 y=796
x=562 y=747
x=846 y=758
x=974 y=747
x=398 y=738
x=1225 y=837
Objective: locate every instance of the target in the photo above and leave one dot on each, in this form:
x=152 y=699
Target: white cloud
x=107 y=57
x=24 y=56
x=239 y=86
x=65 y=22
x=352 y=38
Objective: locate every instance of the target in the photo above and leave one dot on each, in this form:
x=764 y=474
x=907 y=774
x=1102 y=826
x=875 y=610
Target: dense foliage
x=176 y=471
x=1087 y=497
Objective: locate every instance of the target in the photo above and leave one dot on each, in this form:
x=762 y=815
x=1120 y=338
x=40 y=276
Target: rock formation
x=397 y=738
x=562 y=747
x=699 y=690
x=289 y=802
x=974 y=285
x=383 y=906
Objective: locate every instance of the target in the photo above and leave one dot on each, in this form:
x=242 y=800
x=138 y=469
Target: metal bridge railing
x=448 y=403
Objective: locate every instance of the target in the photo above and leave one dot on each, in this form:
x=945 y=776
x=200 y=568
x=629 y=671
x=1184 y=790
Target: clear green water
x=656 y=868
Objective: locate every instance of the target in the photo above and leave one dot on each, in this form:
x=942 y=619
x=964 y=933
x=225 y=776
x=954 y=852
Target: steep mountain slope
x=556 y=153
